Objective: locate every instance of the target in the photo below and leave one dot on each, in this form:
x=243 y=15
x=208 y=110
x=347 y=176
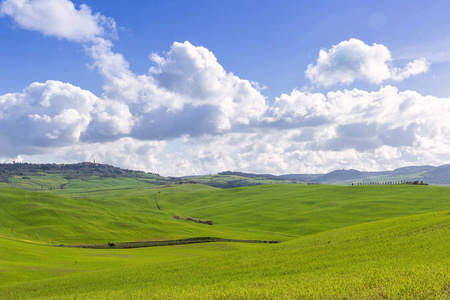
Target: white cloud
x=194 y=74
x=300 y=132
x=365 y=130
x=354 y=60
x=44 y=115
x=299 y=108
x=188 y=114
x=189 y=92
x=110 y=121
x=58 y=18
x=144 y=107
x=412 y=68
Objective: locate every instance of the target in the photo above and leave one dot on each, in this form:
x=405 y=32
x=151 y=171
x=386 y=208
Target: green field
x=360 y=242
x=229 y=180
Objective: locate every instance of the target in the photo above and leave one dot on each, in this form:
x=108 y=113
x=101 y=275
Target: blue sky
x=242 y=89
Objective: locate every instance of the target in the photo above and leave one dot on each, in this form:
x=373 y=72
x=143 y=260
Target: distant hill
x=251 y=175
x=227 y=179
x=230 y=179
x=339 y=175
x=70 y=171
x=427 y=174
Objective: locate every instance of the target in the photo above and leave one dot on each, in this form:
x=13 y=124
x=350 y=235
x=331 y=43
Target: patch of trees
x=194 y=220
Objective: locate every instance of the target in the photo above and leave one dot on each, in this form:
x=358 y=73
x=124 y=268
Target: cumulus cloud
x=194 y=74
x=354 y=60
x=188 y=92
x=300 y=132
x=110 y=120
x=377 y=130
x=58 y=18
x=49 y=114
x=145 y=107
x=188 y=115
x=298 y=109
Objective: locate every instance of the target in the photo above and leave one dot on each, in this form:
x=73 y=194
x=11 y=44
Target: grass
x=297 y=210
x=360 y=242
x=400 y=258
x=43 y=182
x=60 y=184
x=22 y=261
x=235 y=180
x=54 y=219
x=268 y=212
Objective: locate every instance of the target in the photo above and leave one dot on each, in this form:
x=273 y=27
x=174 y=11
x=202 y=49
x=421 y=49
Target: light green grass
x=269 y=212
x=25 y=261
x=333 y=247
x=297 y=210
x=54 y=219
x=53 y=182
x=400 y=258
x=218 y=178
x=43 y=182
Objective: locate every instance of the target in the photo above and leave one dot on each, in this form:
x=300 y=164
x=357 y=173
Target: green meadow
x=348 y=242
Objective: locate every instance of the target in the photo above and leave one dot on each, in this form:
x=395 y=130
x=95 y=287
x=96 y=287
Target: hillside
x=429 y=174
x=265 y=212
x=60 y=176
x=289 y=211
x=78 y=170
x=398 y=258
x=230 y=179
x=350 y=242
x=32 y=176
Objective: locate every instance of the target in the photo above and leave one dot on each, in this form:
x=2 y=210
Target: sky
x=186 y=87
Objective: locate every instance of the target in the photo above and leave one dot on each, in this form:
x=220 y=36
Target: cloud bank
x=188 y=115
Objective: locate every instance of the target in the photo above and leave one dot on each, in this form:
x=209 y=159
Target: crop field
x=349 y=242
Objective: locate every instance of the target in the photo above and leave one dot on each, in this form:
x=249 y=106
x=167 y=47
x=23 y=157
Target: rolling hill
x=397 y=258
x=429 y=174
x=349 y=242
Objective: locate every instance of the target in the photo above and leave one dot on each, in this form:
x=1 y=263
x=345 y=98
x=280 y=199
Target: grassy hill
x=59 y=176
x=297 y=210
x=50 y=177
x=428 y=174
x=268 y=212
x=400 y=258
x=229 y=179
x=56 y=219
x=352 y=242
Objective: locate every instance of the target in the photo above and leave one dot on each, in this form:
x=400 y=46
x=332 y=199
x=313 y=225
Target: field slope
x=354 y=242
x=399 y=258
x=267 y=212
x=287 y=211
